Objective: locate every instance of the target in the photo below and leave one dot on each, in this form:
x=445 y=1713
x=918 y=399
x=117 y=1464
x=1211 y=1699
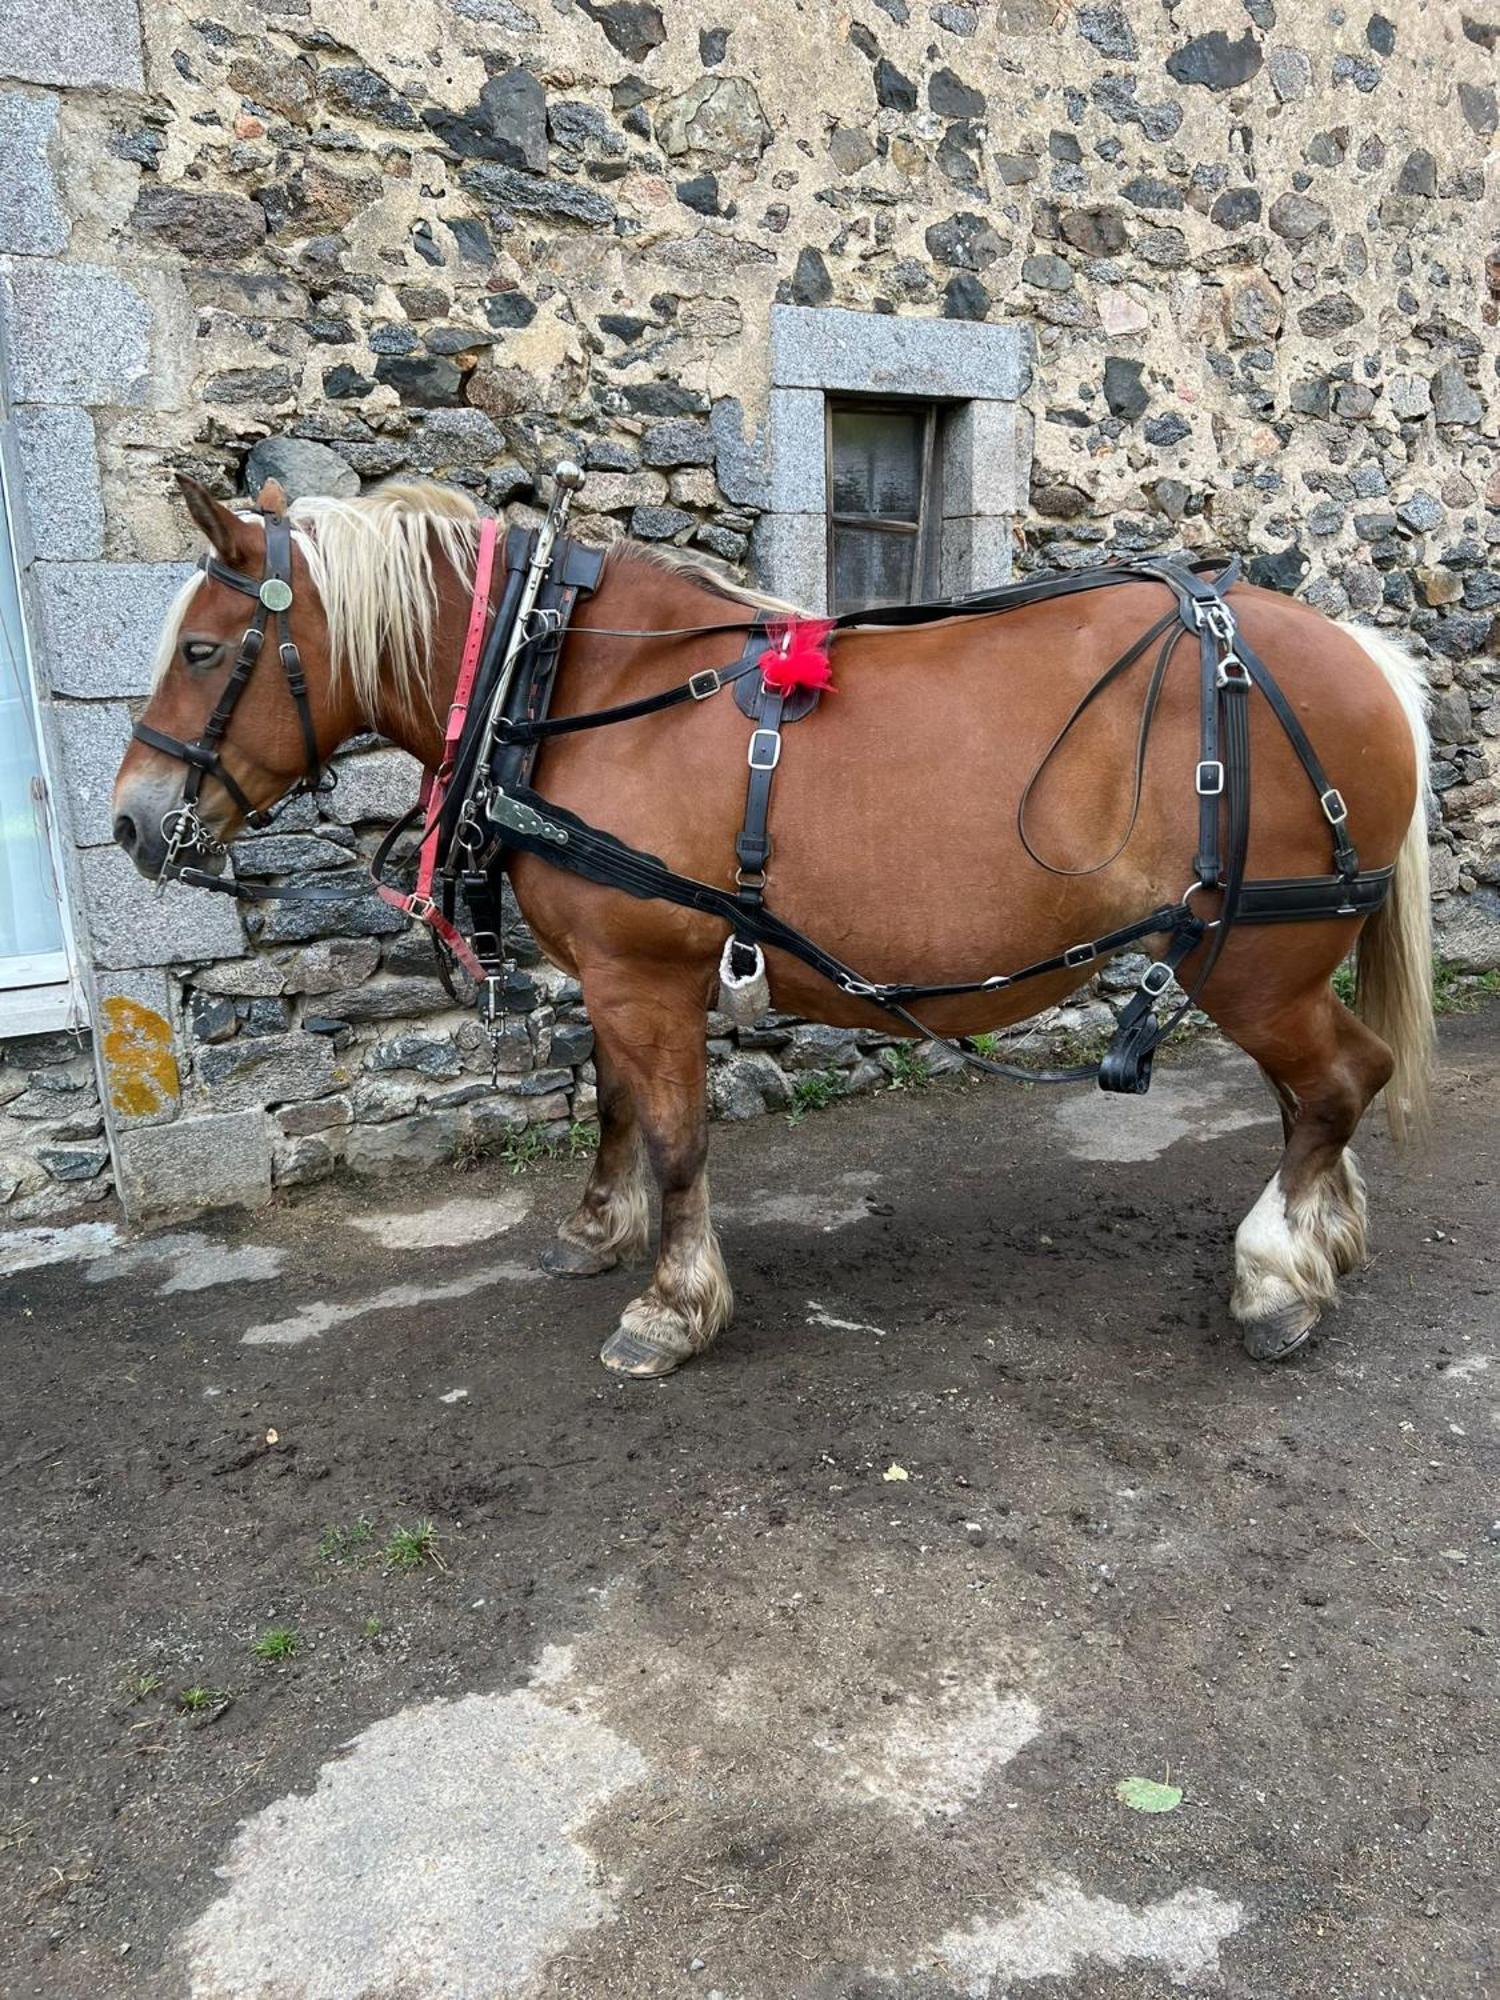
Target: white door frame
x=41 y=991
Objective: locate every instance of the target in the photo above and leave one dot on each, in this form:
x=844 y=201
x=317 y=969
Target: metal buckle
x=1217 y=616
x=1156 y=979
x=996 y=980
x=859 y=989
x=1224 y=678
x=702 y=685
x=750 y=878
x=420 y=908
x=760 y=761
x=1080 y=954
x=1332 y=802
x=1210 y=779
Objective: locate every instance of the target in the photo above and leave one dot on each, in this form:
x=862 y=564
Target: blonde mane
x=697 y=569
x=371 y=564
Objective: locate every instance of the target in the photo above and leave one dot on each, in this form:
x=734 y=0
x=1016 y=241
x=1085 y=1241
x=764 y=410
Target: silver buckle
x=1080 y=954
x=702 y=685
x=1332 y=802
x=1210 y=778
x=1224 y=678
x=1156 y=979
x=760 y=760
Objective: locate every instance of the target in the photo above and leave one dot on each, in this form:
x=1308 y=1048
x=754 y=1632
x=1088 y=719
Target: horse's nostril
x=126 y=832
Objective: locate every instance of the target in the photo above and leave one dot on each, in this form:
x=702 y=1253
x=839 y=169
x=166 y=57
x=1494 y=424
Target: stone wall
x=1253 y=249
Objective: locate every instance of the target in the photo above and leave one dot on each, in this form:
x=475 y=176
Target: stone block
x=33 y=222
x=63 y=500
x=93 y=42
x=799 y=451
x=296 y=1162
x=386 y=999
x=94 y=736
x=103 y=623
x=223 y=1158
x=832 y=348
x=270 y=1069
x=129 y=925
x=135 y=1047
x=81 y=333
x=359 y=913
x=975 y=553
x=375 y=785
x=789 y=558
x=423 y=1141
x=986 y=459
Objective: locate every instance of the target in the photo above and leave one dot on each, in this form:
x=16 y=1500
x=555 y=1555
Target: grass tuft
x=280 y=1642
x=198 y=1700
x=410 y=1548
x=340 y=1544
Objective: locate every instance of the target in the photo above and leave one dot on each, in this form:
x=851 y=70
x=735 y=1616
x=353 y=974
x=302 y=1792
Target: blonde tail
x=1393 y=984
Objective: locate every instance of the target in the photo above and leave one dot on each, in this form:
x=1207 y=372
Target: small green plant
x=141 y=1683
x=582 y=1139
x=409 y=1548
x=988 y=1045
x=341 y=1544
x=1343 y=983
x=814 y=1091
x=280 y=1642
x=907 y=1069
x=198 y=1700
x=1455 y=992
x=372 y=1628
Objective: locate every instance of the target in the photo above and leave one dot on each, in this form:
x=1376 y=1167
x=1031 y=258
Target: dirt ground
x=811 y=1672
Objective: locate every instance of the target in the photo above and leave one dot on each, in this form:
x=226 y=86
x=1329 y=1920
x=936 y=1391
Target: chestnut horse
x=895 y=847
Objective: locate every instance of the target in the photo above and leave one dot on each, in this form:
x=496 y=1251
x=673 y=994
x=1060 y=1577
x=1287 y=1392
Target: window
x=35 y=986
x=897 y=457
x=882 y=548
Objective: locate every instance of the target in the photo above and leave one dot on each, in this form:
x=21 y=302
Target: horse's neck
x=633 y=597
x=637 y=596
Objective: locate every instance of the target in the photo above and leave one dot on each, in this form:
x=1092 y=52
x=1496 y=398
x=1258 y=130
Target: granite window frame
x=976 y=372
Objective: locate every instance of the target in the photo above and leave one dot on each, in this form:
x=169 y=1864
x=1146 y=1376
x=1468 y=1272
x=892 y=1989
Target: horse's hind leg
x=651 y=1028
x=613 y=1219
x=1308 y=1227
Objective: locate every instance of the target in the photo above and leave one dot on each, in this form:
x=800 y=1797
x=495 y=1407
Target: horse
x=896 y=846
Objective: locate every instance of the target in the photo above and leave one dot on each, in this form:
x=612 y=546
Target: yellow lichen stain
x=137 y=1048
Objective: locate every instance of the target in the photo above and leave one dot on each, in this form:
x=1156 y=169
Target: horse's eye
x=201 y=653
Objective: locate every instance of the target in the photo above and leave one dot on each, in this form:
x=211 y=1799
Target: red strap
x=435 y=783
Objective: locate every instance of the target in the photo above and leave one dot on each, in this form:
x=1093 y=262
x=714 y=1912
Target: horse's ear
x=226 y=532
x=272 y=498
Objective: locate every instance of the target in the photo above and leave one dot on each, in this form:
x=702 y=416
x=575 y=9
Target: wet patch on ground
x=589 y=1688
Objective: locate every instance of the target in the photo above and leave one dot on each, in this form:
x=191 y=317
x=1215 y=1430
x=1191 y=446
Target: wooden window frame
x=929 y=510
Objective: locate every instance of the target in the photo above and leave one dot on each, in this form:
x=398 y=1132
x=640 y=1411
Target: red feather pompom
x=798 y=654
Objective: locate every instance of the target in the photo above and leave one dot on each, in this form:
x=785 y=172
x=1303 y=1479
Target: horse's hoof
x=630 y=1351
x=563 y=1259
x=1278 y=1334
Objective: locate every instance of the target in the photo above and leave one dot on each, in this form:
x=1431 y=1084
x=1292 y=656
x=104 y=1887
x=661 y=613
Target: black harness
x=490 y=806
x=183 y=827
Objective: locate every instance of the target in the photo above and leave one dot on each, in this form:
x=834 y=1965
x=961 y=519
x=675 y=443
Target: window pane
x=29 y=919
x=871 y=568
x=877 y=462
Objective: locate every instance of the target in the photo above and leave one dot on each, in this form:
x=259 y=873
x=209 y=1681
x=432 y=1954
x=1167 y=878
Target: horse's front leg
x=612 y=1221
x=652 y=1030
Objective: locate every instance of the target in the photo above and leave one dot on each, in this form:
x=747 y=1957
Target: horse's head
x=244 y=705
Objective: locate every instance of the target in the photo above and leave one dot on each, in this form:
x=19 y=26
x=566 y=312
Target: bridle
x=183 y=828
